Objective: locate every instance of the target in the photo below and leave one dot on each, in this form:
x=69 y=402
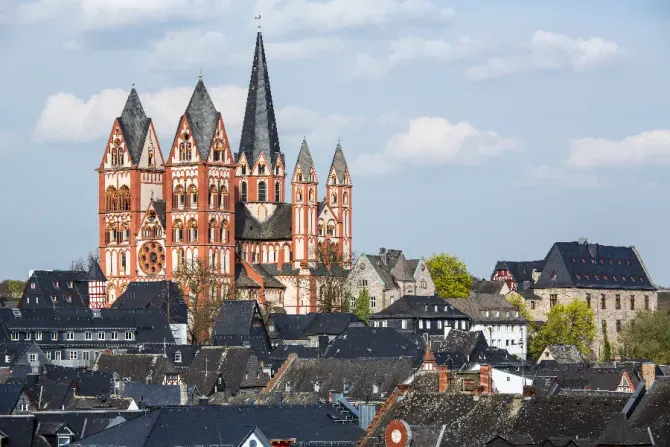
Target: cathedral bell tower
x=305 y=207
x=338 y=198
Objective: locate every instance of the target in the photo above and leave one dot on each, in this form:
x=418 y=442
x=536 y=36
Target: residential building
x=240 y=323
x=307 y=329
x=14 y=399
x=387 y=277
x=24 y=356
x=421 y=315
x=64 y=289
x=203 y=201
x=561 y=355
x=499 y=320
x=612 y=280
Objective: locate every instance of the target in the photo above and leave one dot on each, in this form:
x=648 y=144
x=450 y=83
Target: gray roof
x=159 y=206
x=276 y=227
x=203 y=119
x=134 y=126
x=212 y=361
x=95 y=273
x=304 y=160
x=339 y=164
x=467 y=343
x=146 y=368
x=259 y=130
x=152 y=394
x=477 y=305
x=565 y=354
x=163 y=295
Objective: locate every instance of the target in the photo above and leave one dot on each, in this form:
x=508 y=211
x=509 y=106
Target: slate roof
x=582 y=377
x=66 y=297
x=228 y=425
x=203 y=119
x=134 y=126
x=521 y=270
x=269 y=280
x=565 y=354
x=281 y=352
x=571 y=264
x=259 y=129
x=151 y=394
x=89 y=382
x=652 y=411
x=9 y=396
x=187 y=352
x=304 y=160
x=300 y=327
x=278 y=226
x=15 y=350
x=136 y=367
x=619 y=432
x=79 y=403
x=155 y=295
x=159 y=206
x=242 y=279
x=466 y=343
x=212 y=361
x=339 y=164
x=477 y=305
x=95 y=272
x=366 y=342
x=415 y=307
x=20 y=430
x=490 y=287
x=237 y=317
x=368 y=379
x=259 y=398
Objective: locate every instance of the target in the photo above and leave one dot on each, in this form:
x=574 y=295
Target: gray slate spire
x=134 y=126
x=339 y=163
x=304 y=160
x=259 y=131
x=203 y=118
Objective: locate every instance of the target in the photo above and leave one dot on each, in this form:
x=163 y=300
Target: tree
x=648 y=337
x=204 y=292
x=519 y=302
x=13 y=288
x=346 y=302
x=607 y=347
x=83 y=264
x=362 y=309
x=567 y=324
x=450 y=276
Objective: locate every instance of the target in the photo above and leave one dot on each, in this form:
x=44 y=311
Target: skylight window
x=614 y=277
x=588 y=277
x=578 y=276
x=605 y=277
x=597 y=277
x=623 y=278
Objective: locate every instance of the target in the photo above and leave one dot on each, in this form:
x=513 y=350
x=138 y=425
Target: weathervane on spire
x=133 y=84
x=258 y=19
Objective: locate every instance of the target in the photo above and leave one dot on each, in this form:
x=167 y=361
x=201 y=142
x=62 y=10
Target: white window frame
x=38 y=336
x=101 y=335
x=69 y=336
x=88 y=335
x=427 y=324
x=32 y=357
x=404 y=324
x=129 y=335
x=385 y=323
x=15 y=336
x=177 y=357
x=73 y=355
x=420 y=324
x=115 y=336
x=28 y=335
x=54 y=335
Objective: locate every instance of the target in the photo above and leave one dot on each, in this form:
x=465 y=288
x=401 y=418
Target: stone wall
x=363 y=271
x=423 y=274
x=610 y=313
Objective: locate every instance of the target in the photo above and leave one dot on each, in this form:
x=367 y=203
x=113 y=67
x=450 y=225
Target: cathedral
x=157 y=214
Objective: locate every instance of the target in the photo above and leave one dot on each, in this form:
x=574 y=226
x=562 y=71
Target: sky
x=484 y=129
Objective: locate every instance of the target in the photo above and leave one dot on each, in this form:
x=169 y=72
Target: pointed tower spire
x=339 y=164
x=304 y=159
x=203 y=118
x=134 y=125
x=259 y=131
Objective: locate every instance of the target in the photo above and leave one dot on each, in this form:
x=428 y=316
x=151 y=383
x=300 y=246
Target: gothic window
x=151 y=158
x=224 y=231
x=193 y=196
x=311 y=195
x=300 y=176
x=111 y=199
x=178 y=230
x=331 y=228
x=212 y=230
x=213 y=259
x=179 y=197
x=298 y=196
x=189 y=150
x=333 y=199
x=277 y=192
x=262 y=192
x=121 y=157
x=322 y=228
x=213 y=196
x=115 y=157
x=124 y=198
x=108 y=232
x=243 y=194
x=193 y=230
x=123 y=263
x=244 y=169
x=332 y=180
x=181 y=258
x=182 y=151
x=345 y=199
x=218 y=150
x=261 y=169
x=223 y=197
x=277 y=170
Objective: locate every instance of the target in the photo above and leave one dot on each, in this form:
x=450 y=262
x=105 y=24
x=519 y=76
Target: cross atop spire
x=258 y=20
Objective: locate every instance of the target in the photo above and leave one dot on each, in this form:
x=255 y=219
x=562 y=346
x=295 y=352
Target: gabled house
x=15 y=399
x=240 y=323
x=370 y=342
x=387 y=277
x=64 y=289
x=306 y=329
x=562 y=355
x=145 y=368
x=24 y=356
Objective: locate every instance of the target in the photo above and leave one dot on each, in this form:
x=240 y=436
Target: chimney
x=485 y=378
x=443 y=379
x=648 y=374
x=330 y=397
x=183 y=394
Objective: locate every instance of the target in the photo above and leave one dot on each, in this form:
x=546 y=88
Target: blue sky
x=484 y=129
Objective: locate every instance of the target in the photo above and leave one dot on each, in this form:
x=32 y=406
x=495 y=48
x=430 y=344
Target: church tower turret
x=305 y=207
x=338 y=198
x=261 y=170
x=130 y=173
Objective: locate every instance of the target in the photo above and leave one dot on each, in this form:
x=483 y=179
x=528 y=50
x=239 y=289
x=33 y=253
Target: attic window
x=614 y=277
x=588 y=277
x=605 y=277
x=593 y=261
x=32 y=285
x=632 y=278
x=611 y=262
x=641 y=278
x=70 y=284
x=57 y=284
x=628 y=261
x=436 y=306
x=602 y=261
x=69 y=297
x=578 y=276
x=574 y=260
x=623 y=278
x=597 y=277
x=619 y=261
x=583 y=261
x=553 y=275
x=177 y=357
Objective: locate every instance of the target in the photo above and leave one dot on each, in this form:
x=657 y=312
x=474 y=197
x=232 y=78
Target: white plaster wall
x=501 y=335
x=179 y=331
x=506 y=383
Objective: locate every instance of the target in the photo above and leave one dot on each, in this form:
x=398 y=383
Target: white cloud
x=413 y=48
x=431 y=141
x=68 y=118
x=549 y=51
x=643 y=148
x=303 y=49
x=97 y=14
x=331 y=15
x=562 y=176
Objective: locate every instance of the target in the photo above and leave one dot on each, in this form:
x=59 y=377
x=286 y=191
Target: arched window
x=277 y=192
x=193 y=230
x=311 y=195
x=261 y=169
x=262 y=192
x=111 y=199
x=213 y=196
x=193 y=196
x=213 y=259
x=108 y=234
x=189 y=151
x=331 y=228
x=123 y=263
x=332 y=179
x=213 y=229
x=121 y=157
x=345 y=199
x=218 y=150
x=182 y=151
x=224 y=231
x=300 y=176
x=322 y=228
x=298 y=196
x=181 y=258
x=333 y=199
x=124 y=198
x=151 y=158
x=179 y=197
x=124 y=234
x=178 y=230
x=115 y=157
x=243 y=193
x=223 y=197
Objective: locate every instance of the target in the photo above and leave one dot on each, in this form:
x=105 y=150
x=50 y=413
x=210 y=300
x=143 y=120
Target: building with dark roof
x=306 y=329
x=14 y=399
x=612 y=280
x=64 y=289
x=371 y=342
x=229 y=209
x=389 y=276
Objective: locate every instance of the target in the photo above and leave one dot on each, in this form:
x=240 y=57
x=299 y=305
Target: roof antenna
x=258 y=20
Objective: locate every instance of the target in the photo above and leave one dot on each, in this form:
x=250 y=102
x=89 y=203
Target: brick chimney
x=443 y=379
x=485 y=379
x=648 y=374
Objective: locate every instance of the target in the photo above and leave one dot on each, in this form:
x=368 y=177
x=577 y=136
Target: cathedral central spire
x=259 y=131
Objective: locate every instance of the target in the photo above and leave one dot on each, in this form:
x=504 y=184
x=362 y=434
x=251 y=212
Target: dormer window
x=436 y=308
x=578 y=276
x=57 y=284
x=177 y=357
x=317 y=387
x=32 y=285
x=614 y=277
x=287 y=387
x=588 y=277
x=553 y=275
x=425 y=308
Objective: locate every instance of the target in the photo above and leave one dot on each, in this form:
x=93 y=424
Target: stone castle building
x=203 y=201
x=613 y=281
